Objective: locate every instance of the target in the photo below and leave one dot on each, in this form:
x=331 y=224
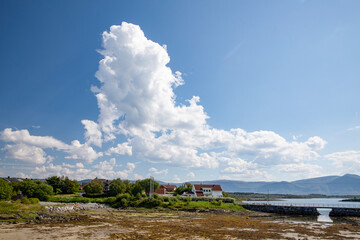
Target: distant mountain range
x=348 y=184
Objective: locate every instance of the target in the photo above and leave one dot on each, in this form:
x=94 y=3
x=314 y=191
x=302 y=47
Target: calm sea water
x=326 y=202
x=324 y=205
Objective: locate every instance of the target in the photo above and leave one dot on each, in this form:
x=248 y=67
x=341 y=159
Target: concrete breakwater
x=312 y=211
x=341 y=212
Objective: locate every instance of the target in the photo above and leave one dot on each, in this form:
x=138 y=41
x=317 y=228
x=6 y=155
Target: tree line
x=63 y=185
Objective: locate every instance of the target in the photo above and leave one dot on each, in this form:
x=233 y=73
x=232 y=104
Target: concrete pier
x=294 y=210
x=342 y=212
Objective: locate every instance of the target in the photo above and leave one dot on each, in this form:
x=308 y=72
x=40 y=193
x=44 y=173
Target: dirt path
x=126 y=224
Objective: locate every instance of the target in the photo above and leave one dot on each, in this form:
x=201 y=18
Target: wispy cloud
x=354 y=128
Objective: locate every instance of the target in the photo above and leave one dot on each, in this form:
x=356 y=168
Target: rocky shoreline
x=71 y=207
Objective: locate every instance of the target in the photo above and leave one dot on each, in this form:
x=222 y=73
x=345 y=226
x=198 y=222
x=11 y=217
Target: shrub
x=124 y=202
x=187 y=200
x=126 y=196
x=139 y=196
x=150 y=203
x=216 y=203
x=95 y=195
x=25 y=200
x=110 y=200
x=34 y=200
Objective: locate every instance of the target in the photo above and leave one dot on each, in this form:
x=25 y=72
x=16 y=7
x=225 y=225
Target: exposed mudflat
x=106 y=223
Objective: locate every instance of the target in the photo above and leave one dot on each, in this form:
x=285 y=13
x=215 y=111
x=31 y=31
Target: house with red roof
x=168 y=187
x=166 y=190
x=207 y=190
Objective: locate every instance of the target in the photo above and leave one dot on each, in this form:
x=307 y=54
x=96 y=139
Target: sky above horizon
x=180 y=90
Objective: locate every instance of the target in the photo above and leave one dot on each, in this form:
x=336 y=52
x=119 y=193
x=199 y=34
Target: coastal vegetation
x=5 y=190
x=20 y=210
x=33 y=189
x=63 y=185
x=118 y=194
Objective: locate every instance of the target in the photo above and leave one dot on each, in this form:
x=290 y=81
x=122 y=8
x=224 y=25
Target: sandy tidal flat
x=134 y=224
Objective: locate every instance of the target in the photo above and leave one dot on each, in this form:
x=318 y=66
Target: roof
x=160 y=191
x=9 y=179
x=214 y=187
x=168 y=187
x=187 y=193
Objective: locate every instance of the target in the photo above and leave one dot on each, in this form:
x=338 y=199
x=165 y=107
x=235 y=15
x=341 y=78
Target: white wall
x=217 y=193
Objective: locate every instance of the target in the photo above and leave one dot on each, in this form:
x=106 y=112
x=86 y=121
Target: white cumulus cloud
x=158 y=172
x=26 y=153
x=346 y=162
x=140 y=116
x=120 y=149
x=93 y=134
x=25 y=142
x=136 y=99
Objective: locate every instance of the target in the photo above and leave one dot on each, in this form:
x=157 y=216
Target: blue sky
x=276 y=86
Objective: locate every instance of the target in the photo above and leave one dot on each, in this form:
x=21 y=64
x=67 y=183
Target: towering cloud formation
x=136 y=99
x=137 y=102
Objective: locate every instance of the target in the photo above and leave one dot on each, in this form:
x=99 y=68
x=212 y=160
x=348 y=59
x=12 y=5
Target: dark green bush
x=110 y=200
x=25 y=200
x=5 y=190
x=35 y=189
x=150 y=203
x=34 y=200
x=95 y=195
x=216 y=203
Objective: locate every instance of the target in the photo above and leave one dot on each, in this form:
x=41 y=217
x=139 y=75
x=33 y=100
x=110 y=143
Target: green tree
x=145 y=184
x=117 y=187
x=68 y=186
x=94 y=187
x=55 y=182
x=35 y=189
x=187 y=187
x=42 y=191
x=136 y=188
x=5 y=190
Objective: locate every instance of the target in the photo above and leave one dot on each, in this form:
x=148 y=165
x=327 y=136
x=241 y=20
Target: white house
x=203 y=190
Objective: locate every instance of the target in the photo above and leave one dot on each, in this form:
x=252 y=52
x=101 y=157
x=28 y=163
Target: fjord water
x=317 y=202
x=324 y=205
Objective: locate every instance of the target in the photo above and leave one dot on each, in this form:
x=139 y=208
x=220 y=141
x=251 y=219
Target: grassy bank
x=74 y=198
x=17 y=211
x=158 y=202
x=207 y=205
